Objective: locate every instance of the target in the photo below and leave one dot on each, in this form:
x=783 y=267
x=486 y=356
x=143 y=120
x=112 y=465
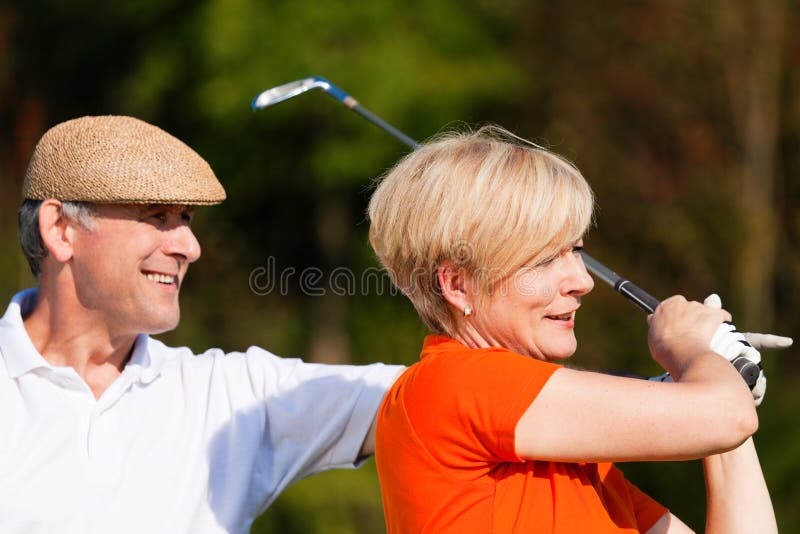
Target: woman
x=488 y=432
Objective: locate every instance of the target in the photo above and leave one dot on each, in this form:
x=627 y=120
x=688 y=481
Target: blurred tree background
x=684 y=116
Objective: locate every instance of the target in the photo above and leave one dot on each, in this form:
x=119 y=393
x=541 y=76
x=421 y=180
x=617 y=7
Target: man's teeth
x=564 y=317
x=160 y=278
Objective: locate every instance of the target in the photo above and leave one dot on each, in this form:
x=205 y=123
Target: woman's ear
x=456 y=285
x=56 y=231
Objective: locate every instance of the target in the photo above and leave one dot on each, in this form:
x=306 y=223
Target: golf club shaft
x=380 y=123
x=277 y=94
x=353 y=104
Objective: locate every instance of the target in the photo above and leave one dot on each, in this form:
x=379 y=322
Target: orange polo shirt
x=447 y=463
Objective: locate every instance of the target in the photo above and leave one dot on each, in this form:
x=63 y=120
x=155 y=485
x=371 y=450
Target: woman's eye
x=546 y=262
x=577 y=248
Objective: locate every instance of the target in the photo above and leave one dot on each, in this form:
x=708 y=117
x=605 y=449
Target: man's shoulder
x=183 y=356
x=265 y=369
x=157 y=346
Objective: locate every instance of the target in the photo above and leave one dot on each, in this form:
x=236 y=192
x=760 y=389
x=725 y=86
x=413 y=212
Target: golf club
x=292 y=89
x=270 y=97
x=636 y=295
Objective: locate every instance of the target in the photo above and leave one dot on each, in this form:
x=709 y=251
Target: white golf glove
x=758 y=341
x=733 y=346
x=742 y=350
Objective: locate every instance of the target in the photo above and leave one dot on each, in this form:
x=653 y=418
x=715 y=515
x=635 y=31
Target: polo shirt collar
x=145 y=364
x=21 y=356
x=17 y=349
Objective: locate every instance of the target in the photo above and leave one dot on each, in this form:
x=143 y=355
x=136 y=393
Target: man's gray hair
x=31 y=239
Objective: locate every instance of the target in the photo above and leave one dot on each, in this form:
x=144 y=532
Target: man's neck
x=68 y=336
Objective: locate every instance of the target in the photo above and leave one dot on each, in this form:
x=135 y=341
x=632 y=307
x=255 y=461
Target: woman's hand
x=680 y=331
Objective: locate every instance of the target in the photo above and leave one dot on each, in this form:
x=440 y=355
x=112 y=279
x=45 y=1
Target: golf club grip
x=749 y=370
x=637 y=295
x=623 y=286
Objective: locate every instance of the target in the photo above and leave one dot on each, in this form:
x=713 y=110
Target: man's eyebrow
x=143 y=208
x=182 y=208
x=135 y=210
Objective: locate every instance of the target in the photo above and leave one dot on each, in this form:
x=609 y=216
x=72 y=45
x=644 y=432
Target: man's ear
x=456 y=285
x=56 y=231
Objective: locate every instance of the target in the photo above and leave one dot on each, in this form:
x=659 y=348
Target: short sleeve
x=648 y=511
x=623 y=497
x=319 y=413
x=281 y=419
x=465 y=406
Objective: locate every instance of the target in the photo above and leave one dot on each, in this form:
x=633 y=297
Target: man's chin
x=166 y=325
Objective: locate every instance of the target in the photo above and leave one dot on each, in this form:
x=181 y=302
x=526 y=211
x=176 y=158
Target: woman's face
x=533 y=311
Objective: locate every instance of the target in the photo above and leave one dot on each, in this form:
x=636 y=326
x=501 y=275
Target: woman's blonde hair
x=487 y=200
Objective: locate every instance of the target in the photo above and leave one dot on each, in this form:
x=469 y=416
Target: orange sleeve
x=473 y=403
x=630 y=499
x=648 y=511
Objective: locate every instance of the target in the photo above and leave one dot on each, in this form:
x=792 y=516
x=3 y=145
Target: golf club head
x=289 y=90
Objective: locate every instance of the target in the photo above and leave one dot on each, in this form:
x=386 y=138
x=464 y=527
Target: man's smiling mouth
x=161 y=278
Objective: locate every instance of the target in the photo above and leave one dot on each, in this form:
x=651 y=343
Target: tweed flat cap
x=121 y=160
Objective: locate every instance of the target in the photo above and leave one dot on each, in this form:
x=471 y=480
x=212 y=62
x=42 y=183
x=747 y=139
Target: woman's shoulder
x=465 y=396
x=445 y=353
x=447 y=367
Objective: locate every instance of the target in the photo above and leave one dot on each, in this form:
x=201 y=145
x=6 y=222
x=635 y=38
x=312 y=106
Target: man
x=104 y=429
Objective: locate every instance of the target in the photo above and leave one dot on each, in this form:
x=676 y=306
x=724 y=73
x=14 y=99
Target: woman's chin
x=557 y=354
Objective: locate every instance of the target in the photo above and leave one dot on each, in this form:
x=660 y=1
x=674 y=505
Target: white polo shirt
x=178 y=443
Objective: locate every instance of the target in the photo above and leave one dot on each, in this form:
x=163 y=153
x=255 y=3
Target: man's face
x=129 y=267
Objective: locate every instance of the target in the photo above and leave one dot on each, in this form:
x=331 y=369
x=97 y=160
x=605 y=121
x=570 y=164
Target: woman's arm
x=583 y=416
x=669 y=524
x=737 y=495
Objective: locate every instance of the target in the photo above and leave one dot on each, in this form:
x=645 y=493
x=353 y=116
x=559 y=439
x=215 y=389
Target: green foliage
x=336 y=502
x=641 y=97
